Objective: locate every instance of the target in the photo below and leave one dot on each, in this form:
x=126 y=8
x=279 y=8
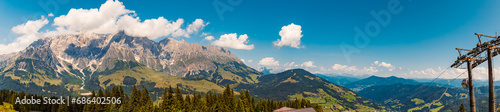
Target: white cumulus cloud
x=102 y=20
x=268 y=61
x=234 y=42
x=196 y=26
x=29 y=34
x=113 y=16
x=290 y=36
x=309 y=64
x=107 y=19
x=30 y=27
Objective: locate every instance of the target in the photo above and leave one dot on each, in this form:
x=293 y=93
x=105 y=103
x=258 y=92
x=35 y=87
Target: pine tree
x=462 y=108
x=170 y=97
x=187 y=103
x=135 y=96
x=178 y=97
x=91 y=106
x=125 y=106
x=62 y=108
x=147 y=104
x=145 y=97
x=164 y=100
x=115 y=92
x=120 y=89
x=99 y=107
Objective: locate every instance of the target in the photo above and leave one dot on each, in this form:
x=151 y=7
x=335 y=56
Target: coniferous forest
x=139 y=99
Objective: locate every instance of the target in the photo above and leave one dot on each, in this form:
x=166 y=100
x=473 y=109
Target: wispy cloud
x=269 y=61
x=209 y=38
x=308 y=64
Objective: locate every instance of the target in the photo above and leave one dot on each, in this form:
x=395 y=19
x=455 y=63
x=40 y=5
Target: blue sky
x=418 y=42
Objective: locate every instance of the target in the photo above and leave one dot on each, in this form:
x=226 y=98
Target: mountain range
x=400 y=94
x=85 y=61
x=76 y=64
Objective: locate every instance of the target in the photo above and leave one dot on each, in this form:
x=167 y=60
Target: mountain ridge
x=376 y=80
x=299 y=83
x=80 y=63
x=72 y=59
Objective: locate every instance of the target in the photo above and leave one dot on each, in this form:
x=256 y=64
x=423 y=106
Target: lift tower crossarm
x=478 y=34
x=459 y=49
x=481 y=47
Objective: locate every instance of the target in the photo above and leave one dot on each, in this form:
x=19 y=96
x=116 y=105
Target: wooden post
x=491 y=87
x=471 y=88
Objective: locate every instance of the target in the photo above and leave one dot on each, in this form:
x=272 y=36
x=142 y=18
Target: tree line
x=171 y=100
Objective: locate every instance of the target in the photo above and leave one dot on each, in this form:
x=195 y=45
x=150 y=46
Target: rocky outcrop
x=7 y=59
x=93 y=52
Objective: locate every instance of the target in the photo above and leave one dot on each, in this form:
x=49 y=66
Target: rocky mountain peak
x=90 y=50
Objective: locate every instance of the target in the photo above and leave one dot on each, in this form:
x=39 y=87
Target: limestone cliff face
x=6 y=59
x=93 y=52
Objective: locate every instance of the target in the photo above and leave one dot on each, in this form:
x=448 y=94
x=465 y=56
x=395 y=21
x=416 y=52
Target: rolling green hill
x=36 y=76
x=405 y=97
x=298 y=83
x=129 y=73
x=481 y=105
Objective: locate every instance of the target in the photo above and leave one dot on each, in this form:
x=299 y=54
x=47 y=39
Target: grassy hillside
x=399 y=96
x=36 y=76
x=298 y=83
x=232 y=73
x=129 y=73
x=7 y=107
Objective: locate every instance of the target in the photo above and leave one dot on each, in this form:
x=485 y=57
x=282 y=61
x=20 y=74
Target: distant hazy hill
x=456 y=83
x=400 y=96
x=338 y=79
x=375 y=81
x=298 y=83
